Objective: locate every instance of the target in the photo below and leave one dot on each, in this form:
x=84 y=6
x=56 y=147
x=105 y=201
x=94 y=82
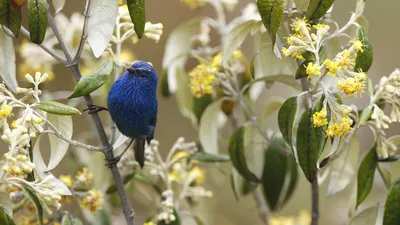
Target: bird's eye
x=142 y=75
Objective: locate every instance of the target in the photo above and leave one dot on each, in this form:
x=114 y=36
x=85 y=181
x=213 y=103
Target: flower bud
x=29 y=78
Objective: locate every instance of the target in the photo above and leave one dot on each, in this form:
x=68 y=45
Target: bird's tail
x=139 y=151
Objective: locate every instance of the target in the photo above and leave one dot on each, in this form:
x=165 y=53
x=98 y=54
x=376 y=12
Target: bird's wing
x=152 y=127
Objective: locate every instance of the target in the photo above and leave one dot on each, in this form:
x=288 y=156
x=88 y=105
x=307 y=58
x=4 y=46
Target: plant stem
x=107 y=147
x=262 y=210
x=315 y=201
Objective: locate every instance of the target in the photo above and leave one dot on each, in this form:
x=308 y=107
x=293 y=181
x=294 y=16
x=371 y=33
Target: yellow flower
x=351 y=86
x=285 y=52
x=127 y=56
x=304 y=218
x=174 y=176
x=198 y=175
x=201 y=81
x=300 y=26
x=84 y=176
x=149 y=223
x=319 y=118
x=180 y=155
x=67 y=180
x=5 y=111
x=341 y=129
x=120 y=2
x=312 y=69
x=345 y=59
x=332 y=67
x=93 y=201
x=357 y=45
x=320 y=26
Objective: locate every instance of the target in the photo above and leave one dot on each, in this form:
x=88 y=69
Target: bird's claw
x=113 y=161
x=95 y=108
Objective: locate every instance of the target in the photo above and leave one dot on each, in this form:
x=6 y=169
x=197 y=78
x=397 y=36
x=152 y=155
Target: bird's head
x=143 y=73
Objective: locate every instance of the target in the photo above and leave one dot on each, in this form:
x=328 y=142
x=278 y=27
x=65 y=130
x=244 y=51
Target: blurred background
x=223 y=209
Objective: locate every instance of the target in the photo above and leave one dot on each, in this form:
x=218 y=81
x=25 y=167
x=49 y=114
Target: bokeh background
x=223 y=209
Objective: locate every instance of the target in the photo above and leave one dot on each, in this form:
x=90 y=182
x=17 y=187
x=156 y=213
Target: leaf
x=10 y=17
x=365 y=115
x=37 y=14
x=386 y=176
x=317 y=9
x=365 y=176
x=59 y=147
x=91 y=82
x=138 y=15
x=307 y=146
x=302 y=4
x=120 y=141
x=236 y=152
x=177 y=220
x=5 y=218
x=206 y=157
x=58 y=6
x=292 y=172
x=126 y=179
x=7 y=61
x=101 y=25
x=344 y=167
x=247 y=187
x=6 y=204
x=271 y=12
x=200 y=104
x=209 y=127
x=366 y=217
x=198 y=220
x=286 y=117
x=235 y=38
x=57 y=108
x=392 y=206
x=184 y=96
x=273 y=104
x=67 y=219
x=35 y=200
x=301 y=71
x=234 y=181
x=164 y=84
x=365 y=57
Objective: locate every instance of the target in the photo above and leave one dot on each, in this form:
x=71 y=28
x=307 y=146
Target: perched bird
x=133 y=106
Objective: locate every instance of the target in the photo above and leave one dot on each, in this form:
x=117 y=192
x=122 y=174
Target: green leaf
x=200 y=104
x=59 y=147
x=247 y=187
x=286 y=117
x=7 y=61
x=67 y=219
x=273 y=177
x=365 y=176
x=366 y=217
x=301 y=71
x=386 y=176
x=234 y=182
x=392 y=206
x=5 y=218
x=307 y=145
x=91 y=82
x=198 y=220
x=365 y=115
x=37 y=14
x=206 y=157
x=101 y=23
x=57 y=108
x=235 y=38
x=36 y=202
x=58 y=6
x=10 y=17
x=164 y=84
x=271 y=12
x=344 y=167
x=317 y=9
x=177 y=220
x=6 y=204
x=236 y=152
x=320 y=131
x=292 y=172
x=126 y=179
x=184 y=96
x=210 y=122
x=138 y=15
x=365 y=57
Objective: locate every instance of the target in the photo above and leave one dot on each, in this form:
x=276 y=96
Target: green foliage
x=37 y=14
x=392 y=206
x=57 y=108
x=206 y=157
x=10 y=17
x=5 y=219
x=67 y=219
x=366 y=174
x=317 y=9
x=365 y=57
x=271 y=12
x=286 y=117
x=138 y=15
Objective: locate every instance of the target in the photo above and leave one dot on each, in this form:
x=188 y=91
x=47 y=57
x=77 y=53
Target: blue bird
x=132 y=104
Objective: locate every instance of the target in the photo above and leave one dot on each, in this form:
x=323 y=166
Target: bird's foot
x=95 y=108
x=113 y=161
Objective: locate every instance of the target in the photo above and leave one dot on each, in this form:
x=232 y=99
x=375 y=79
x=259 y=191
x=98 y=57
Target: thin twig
x=73 y=142
x=25 y=32
x=262 y=210
x=84 y=31
x=315 y=200
x=108 y=149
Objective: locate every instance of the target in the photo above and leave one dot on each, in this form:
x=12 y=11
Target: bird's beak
x=131 y=70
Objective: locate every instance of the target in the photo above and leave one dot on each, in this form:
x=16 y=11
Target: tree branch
x=315 y=201
x=84 y=31
x=108 y=149
x=262 y=210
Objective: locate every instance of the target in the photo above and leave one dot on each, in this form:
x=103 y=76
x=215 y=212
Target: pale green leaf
x=101 y=24
x=37 y=14
x=9 y=17
x=302 y=4
x=91 y=82
x=5 y=203
x=273 y=104
x=59 y=147
x=184 y=96
x=67 y=219
x=57 y=108
x=271 y=12
x=58 y=6
x=210 y=122
x=386 y=176
x=366 y=217
x=206 y=157
x=234 y=182
x=138 y=15
x=7 y=61
x=344 y=167
x=235 y=38
x=32 y=195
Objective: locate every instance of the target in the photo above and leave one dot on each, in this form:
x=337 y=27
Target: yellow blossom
x=285 y=52
x=304 y=218
x=332 y=67
x=341 y=129
x=84 y=176
x=300 y=26
x=67 y=180
x=312 y=69
x=174 y=176
x=320 y=26
x=201 y=81
x=127 y=56
x=93 y=201
x=319 y=118
x=357 y=45
x=5 y=111
x=149 y=223
x=180 y=155
x=351 y=86
x=345 y=59
x=120 y=2
x=198 y=175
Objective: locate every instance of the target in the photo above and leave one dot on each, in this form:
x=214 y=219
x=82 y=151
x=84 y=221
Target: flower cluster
x=304 y=218
x=48 y=193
